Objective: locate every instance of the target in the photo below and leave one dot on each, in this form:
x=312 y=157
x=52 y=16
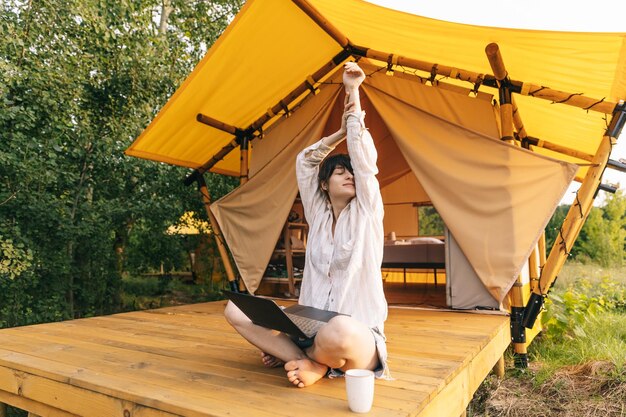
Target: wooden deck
x=187 y=361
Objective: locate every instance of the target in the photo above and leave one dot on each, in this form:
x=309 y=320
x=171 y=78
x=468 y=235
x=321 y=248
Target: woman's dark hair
x=332 y=162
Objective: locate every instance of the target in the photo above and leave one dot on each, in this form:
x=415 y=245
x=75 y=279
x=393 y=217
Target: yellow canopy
x=272 y=46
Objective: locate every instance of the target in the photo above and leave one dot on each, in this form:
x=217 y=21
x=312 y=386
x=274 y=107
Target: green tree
x=79 y=80
x=603 y=237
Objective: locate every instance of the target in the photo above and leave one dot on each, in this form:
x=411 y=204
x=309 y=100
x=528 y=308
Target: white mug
x=360 y=389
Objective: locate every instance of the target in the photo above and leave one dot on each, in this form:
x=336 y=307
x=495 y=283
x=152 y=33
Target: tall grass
x=585 y=321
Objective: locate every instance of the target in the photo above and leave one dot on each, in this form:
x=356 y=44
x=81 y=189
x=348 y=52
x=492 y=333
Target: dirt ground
x=592 y=389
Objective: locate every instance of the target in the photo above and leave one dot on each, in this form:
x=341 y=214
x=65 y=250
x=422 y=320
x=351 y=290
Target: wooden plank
x=68 y=398
x=36 y=407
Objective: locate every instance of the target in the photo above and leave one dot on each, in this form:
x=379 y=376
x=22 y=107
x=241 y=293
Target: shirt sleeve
x=307 y=168
x=363 y=156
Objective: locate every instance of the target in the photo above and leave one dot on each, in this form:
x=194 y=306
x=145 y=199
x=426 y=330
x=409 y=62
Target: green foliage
x=14 y=258
x=430 y=222
x=602 y=239
x=585 y=320
x=569 y=311
x=79 y=80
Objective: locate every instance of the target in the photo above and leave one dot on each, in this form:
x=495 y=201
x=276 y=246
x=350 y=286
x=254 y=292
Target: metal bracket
x=518 y=331
x=617 y=121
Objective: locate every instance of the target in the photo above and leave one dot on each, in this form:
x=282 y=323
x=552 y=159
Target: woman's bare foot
x=271 y=361
x=304 y=372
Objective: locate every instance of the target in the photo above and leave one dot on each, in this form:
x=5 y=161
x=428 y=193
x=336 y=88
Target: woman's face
x=341 y=184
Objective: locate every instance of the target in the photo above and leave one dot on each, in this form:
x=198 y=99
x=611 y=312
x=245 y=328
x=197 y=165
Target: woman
x=344 y=209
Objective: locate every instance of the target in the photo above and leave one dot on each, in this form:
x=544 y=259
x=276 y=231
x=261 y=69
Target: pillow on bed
x=424 y=240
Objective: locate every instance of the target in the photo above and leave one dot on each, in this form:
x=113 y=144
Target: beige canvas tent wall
x=559 y=95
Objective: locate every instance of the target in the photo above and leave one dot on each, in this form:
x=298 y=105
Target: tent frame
x=524 y=310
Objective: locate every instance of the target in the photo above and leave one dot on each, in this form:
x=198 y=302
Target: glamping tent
x=491 y=139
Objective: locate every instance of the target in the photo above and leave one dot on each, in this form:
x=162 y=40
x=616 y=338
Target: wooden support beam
x=219 y=239
x=499 y=369
x=243 y=160
x=524 y=88
x=557 y=148
x=504 y=88
x=542 y=250
x=533 y=267
x=575 y=218
x=225 y=127
x=289 y=259
x=321 y=21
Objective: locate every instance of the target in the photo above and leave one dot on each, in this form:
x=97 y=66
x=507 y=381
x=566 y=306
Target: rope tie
x=433 y=74
x=532 y=93
x=563 y=241
x=478 y=83
x=594 y=104
x=285 y=108
x=567 y=99
x=580 y=208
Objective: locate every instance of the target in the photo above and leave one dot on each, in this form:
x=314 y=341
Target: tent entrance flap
x=495 y=198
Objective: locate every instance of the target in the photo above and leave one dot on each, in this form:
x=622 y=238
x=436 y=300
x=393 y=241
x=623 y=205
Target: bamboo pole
x=502 y=77
x=289 y=259
x=499 y=368
x=209 y=121
x=524 y=88
x=533 y=267
x=558 y=148
x=542 y=250
x=243 y=161
x=206 y=198
x=516 y=294
x=321 y=21
x=575 y=218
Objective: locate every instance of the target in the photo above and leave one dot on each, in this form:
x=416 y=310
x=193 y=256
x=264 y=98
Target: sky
x=562 y=15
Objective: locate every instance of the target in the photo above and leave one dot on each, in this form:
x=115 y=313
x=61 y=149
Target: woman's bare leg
x=270 y=342
x=344 y=343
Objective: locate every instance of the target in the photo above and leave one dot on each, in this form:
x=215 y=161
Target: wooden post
x=518 y=332
x=289 y=259
x=243 y=159
x=206 y=198
x=499 y=368
x=506 y=105
x=516 y=295
x=3 y=410
x=542 y=250
x=533 y=267
x=575 y=218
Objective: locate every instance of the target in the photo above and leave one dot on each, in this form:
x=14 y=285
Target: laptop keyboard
x=308 y=326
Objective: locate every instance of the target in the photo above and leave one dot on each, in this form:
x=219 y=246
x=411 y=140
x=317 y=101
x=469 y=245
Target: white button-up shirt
x=342 y=273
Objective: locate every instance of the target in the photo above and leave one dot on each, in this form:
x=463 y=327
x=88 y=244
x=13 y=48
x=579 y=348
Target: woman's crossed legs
x=344 y=343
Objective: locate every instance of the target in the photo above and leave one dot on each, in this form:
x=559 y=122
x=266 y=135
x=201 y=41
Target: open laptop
x=297 y=321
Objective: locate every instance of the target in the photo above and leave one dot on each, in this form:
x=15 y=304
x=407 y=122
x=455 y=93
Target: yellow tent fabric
x=272 y=46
